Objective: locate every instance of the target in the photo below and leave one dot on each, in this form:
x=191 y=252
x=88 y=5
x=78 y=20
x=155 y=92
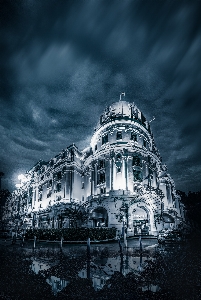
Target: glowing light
x=22 y=178
x=18 y=185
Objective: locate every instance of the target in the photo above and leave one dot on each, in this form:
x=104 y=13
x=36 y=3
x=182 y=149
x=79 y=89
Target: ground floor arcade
x=138 y=217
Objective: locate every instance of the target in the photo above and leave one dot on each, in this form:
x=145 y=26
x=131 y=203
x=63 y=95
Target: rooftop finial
x=152 y=119
x=124 y=94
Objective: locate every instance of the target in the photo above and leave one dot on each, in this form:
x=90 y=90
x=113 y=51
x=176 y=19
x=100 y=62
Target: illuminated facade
x=118 y=179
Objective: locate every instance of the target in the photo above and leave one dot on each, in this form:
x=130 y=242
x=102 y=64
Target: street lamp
x=22 y=179
x=124 y=231
x=18 y=185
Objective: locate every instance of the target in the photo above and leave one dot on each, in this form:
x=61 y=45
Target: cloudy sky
x=62 y=62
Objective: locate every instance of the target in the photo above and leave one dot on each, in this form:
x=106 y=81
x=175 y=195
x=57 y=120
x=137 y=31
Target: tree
x=1 y=175
x=4 y=194
x=192 y=202
x=77 y=215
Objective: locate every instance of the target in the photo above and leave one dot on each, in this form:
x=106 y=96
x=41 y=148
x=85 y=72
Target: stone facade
x=119 y=179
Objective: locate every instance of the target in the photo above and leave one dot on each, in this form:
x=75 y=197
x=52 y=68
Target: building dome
x=121 y=110
x=122 y=123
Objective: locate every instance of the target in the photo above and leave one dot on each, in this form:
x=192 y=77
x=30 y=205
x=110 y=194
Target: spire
x=122 y=94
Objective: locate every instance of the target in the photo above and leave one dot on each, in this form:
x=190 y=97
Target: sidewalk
x=8 y=241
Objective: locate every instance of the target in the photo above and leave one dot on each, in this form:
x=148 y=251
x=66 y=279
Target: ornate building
x=118 y=178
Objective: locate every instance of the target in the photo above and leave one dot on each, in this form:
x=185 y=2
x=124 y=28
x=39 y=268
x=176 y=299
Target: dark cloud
x=62 y=62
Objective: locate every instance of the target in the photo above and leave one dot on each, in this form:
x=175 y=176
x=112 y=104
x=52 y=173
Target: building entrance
x=141 y=227
x=140 y=221
x=99 y=217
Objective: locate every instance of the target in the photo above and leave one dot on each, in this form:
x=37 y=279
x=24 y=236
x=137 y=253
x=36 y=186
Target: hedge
x=72 y=234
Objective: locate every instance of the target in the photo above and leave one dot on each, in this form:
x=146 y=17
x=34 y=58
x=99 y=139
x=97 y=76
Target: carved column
x=113 y=175
x=123 y=184
x=110 y=170
x=92 y=181
x=71 y=173
x=95 y=179
x=126 y=172
x=152 y=223
x=65 y=186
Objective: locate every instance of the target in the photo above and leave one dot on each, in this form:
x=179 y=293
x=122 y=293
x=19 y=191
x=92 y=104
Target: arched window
x=104 y=139
x=136 y=161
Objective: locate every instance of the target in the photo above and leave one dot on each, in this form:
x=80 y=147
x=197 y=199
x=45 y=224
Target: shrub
x=72 y=234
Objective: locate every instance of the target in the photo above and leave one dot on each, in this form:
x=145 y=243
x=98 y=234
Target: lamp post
x=124 y=209
x=175 y=213
x=124 y=232
x=22 y=180
x=161 y=195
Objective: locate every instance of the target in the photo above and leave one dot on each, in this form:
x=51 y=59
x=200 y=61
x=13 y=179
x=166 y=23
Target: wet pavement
x=51 y=272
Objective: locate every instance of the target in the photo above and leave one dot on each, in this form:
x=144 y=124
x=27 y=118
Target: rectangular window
x=40 y=196
x=136 y=161
x=103 y=190
x=101 y=119
x=30 y=195
x=119 y=169
x=59 y=175
x=119 y=135
x=101 y=164
x=58 y=187
x=63 y=155
x=104 y=139
x=58 y=198
x=102 y=177
x=49 y=194
x=40 y=188
x=72 y=154
x=143 y=118
x=135 y=188
x=49 y=183
x=144 y=143
x=133 y=136
x=95 y=147
x=136 y=114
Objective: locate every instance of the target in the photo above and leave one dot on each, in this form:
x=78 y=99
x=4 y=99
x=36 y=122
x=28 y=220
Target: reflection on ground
x=104 y=261
x=56 y=283
x=157 y=272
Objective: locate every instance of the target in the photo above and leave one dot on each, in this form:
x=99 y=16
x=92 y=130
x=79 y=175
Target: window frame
x=119 y=135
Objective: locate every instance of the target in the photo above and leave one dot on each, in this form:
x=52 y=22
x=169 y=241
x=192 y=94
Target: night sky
x=63 y=62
